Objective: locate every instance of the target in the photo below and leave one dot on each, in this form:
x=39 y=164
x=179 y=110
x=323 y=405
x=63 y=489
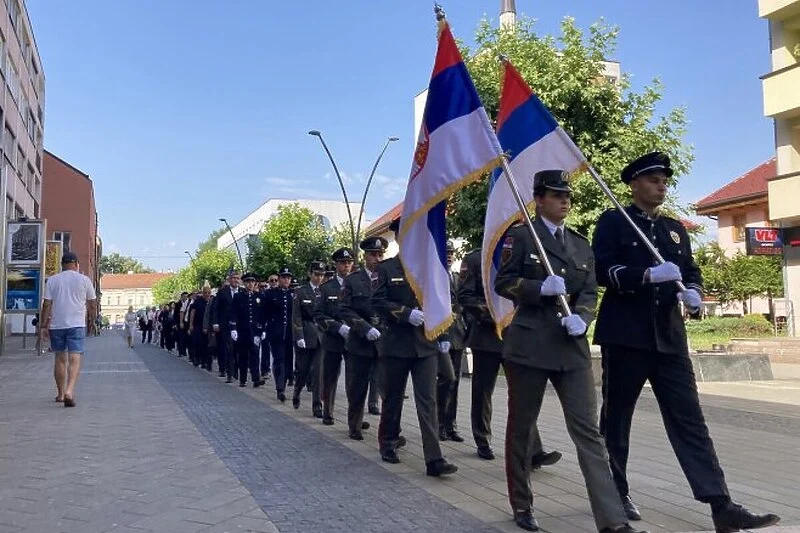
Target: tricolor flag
x=456 y=146
x=533 y=141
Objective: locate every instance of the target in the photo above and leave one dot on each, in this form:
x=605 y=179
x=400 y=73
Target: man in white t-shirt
x=70 y=304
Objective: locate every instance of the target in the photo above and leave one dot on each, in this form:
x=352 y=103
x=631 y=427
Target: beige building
x=22 y=113
x=120 y=291
x=781 y=89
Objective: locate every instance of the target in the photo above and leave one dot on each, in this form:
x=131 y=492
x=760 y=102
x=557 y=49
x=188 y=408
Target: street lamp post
x=318 y=134
x=238 y=251
x=369 y=182
x=190 y=256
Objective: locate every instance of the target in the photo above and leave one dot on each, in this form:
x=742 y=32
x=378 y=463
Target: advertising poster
x=23 y=290
x=24 y=243
x=52 y=258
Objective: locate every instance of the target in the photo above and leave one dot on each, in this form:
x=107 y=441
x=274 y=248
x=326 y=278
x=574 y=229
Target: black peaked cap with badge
x=646 y=164
x=285 y=271
x=317 y=266
x=554 y=180
x=374 y=244
x=343 y=254
x=249 y=277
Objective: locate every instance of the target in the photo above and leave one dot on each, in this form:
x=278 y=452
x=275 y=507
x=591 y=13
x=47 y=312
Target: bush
x=746 y=326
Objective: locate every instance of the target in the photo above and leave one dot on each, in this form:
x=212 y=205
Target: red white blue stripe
x=456 y=145
x=533 y=141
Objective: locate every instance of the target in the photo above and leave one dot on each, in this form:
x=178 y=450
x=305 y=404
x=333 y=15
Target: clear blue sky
x=186 y=111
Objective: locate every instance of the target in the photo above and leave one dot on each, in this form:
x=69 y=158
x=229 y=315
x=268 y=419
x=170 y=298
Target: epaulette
x=576 y=234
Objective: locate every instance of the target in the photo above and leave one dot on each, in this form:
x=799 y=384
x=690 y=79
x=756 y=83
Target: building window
x=3 y=55
x=738 y=228
x=130 y=301
x=9 y=208
x=65 y=238
x=9 y=143
x=18 y=211
x=117 y=300
x=13 y=12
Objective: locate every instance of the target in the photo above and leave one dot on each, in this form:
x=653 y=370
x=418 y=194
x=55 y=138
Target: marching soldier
x=487 y=354
x=278 y=311
x=449 y=375
x=405 y=350
x=361 y=348
x=221 y=319
x=542 y=344
x=248 y=324
x=307 y=299
x=328 y=318
x=643 y=337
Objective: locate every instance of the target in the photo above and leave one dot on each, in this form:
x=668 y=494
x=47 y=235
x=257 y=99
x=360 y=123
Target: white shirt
x=340 y=280
x=68 y=291
x=552 y=227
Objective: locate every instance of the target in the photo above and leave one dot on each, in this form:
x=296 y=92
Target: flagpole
x=642 y=237
x=512 y=183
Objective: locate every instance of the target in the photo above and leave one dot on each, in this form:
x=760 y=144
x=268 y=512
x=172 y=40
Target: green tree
x=748 y=276
x=117 y=263
x=211 y=242
x=294 y=237
x=211 y=266
x=611 y=123
x=712 y=262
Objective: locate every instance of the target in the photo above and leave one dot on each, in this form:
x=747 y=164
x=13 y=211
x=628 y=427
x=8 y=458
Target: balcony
x=778 y=9
x=784 y=190
x=781 y=94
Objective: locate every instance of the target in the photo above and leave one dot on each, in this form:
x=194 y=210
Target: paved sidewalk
x=158 y=445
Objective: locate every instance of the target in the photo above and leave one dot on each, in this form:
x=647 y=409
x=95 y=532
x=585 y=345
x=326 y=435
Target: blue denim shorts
x=67 y=340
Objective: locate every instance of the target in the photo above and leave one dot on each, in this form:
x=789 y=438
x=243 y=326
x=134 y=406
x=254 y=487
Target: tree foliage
x=293 y=237
x=739 y=277
x=211 y=242
x=211 y=266
x=116 y=263
x=612 y=124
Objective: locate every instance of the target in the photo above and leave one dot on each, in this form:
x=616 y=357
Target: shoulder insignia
x=675 y=237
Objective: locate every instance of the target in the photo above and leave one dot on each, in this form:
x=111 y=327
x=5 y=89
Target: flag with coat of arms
x=456 y=145
x=533 y=141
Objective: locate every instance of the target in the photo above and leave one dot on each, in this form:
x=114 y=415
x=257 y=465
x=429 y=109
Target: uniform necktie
x=316 y=292
x=374 y=278
x=559 y=235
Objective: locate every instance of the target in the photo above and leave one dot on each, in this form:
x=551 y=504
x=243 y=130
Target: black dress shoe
x=327 y=421
x=453 y=435
x=440 y=467
x=544 y=459
x=526 y=520
x=257 y=384
x=364 y=425
x=317 y=413
x=442 y=434
x=356 y=435
x=485 y=452
x=630 y=508
x=401 y=441
x=390 y=456
x=373 y=410
x=281 y=396
x=296 y=403
x=624 y=528
x=735 y=517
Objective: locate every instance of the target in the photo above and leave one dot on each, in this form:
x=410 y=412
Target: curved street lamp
x=190 y=256
x=318 y=134
x=369 y=182
x=238 y=251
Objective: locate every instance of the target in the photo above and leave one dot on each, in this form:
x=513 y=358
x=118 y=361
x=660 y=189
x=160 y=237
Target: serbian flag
x=456 y=145
x=533 y=141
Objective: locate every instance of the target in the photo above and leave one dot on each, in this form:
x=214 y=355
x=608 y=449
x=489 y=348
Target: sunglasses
x=273 y=280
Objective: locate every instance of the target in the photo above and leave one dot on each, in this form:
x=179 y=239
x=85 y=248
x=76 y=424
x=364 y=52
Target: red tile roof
x=131 y=281
x=749 y=185
x=382 y=224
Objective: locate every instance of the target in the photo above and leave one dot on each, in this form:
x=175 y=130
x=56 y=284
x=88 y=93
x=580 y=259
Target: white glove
x=373 y=334
x=257 y=340
x=344 y=330
x=263 y=335
x=234 y=335
x=444 y=346
x=665 y=272
x=416 y=318
x=301 y=343
x=553 y=286
x=574 y=324
x=691 y=298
